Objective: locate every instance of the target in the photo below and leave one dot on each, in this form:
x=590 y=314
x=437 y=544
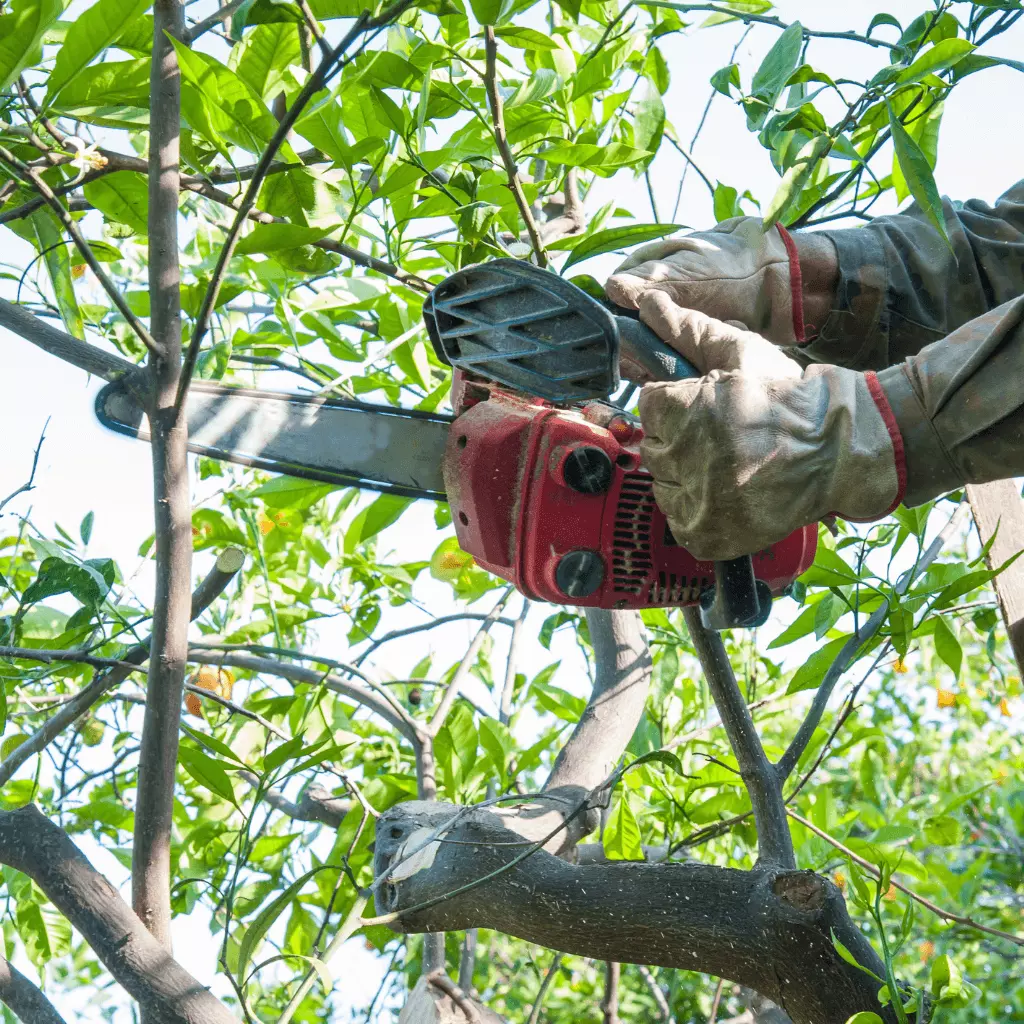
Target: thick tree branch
x=62 y=345
x=774 y=843
x=622 y=675
x=24 y=999
x=768 y=929
x=165 y=991
x=501 y=140
x=172 y=604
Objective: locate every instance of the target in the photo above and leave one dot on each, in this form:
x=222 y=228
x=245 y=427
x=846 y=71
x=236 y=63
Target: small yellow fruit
x=840 y=879
x=217 y=680
x=1004 y=708
x=265 y=525
x=900 y=667
x=891 y=893
x=927 y=950
x=947 y=698
x=194 y=706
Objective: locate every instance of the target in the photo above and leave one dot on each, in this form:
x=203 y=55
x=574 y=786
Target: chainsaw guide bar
x=336 y=441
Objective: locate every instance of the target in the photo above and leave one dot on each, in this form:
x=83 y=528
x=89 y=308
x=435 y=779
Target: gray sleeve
x=901 y=287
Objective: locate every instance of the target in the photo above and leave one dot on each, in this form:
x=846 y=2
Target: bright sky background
x=83 y=467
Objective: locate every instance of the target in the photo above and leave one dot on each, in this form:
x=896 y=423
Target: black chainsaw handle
x=738 y=598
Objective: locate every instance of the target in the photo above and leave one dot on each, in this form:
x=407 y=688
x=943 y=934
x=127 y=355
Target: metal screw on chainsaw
x=579 y=573
x=588 y=470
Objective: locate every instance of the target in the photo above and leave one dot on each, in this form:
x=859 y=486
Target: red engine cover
x=505 y=472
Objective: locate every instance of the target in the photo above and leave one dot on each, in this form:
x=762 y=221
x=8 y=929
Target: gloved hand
x=760 y=447
x=734 y=272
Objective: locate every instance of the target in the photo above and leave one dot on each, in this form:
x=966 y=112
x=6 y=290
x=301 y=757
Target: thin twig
x=946 y=915
x=664 y=1010
x=512 y=665
x=218 y=17
x=24 y=171
x=717 y=1001
x=30 y=483
x=851 y=649
x=501 y=140
x=549 y=976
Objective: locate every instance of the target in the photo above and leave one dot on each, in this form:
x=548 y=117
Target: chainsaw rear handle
x=738 y=598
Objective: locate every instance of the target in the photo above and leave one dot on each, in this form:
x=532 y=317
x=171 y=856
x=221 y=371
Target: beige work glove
x=734 y=272
x=760 y=447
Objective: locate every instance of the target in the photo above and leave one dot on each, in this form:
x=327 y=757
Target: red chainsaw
x=542 y=472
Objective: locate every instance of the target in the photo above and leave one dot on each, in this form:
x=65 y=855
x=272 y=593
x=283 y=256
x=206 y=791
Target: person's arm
x=879 y=293
x=959 y=405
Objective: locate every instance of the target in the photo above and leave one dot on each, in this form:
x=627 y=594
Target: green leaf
x=914 y=165
x=122 y=197
x=865 y=1017
x=89 y=582
x=94 y=30
x=268 y=238
x=925 y=131
x=375 y=517
x=266 y=53
x=848 y=956
x=621 y=839
x=56 y=252
x=498 y=743
x=603 y=159
x=649 y=120
x=291 y=492
x=942 y=830
x=525 y=38
x=487 y=12
x=947 y=647
x=85 y=528
x=665 y=757
x=779 y=63
x=45 y=932
x=725 y=79
x=813 y=670
x=256 y=932
x=206 y=771
x=884 y=19
x=614 y=238
x=114 y=93
x=948 y=985
x=21 y=32
x=940 y=57
x=795 y=178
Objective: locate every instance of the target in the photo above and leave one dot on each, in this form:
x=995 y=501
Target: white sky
x=83 y=467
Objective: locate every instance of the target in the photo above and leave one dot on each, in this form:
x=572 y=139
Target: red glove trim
x=796 y=285
x=899 y=455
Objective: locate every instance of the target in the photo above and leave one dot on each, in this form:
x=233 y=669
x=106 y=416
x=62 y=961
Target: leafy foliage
x=393 y=178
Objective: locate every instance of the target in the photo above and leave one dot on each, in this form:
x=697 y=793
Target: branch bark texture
x=24 y=999
x=165 y=991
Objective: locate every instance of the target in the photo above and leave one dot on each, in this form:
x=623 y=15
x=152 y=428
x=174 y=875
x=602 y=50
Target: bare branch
x=24 y=171
x=30 y=483
x=549 y=976
x=217 y=18
x=664 y=1010
x=610 y=1002
x=24 y=999
x=62 y=345
x=846 y=657
x=454 y=687
x=172 y=507
x=165 y=991
x=774 y=843
x=501 y=140
x=512 y=665
x=228 y=565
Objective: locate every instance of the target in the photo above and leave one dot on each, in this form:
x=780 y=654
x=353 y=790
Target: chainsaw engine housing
x=556 y=501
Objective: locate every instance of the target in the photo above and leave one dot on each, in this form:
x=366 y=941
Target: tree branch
x=610 y=1002
x=24 y=999
x=768 y=929
x=84 y=699
x=846 y=657
x=165 y=991
x=24 y=171
x=212 y=21
x=62 y=345
x=501 y=140
x=172 y=507
x=30 y=483
x=774 y=843
x=664 y=1010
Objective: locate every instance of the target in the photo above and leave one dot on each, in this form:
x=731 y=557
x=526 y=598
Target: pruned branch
x=165 y=991
x=30 y=483
x=24 y=999
x=774 y=843
x=501 y=140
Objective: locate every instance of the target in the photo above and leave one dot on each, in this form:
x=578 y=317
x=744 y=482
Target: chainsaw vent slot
x=631 y=538
x=669 y=588
x=526 y=328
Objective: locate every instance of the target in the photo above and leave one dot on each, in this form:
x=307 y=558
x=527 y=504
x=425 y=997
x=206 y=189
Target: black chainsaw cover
x=527 y=328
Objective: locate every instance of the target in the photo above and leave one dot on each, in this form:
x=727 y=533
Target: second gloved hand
x=759 y=447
